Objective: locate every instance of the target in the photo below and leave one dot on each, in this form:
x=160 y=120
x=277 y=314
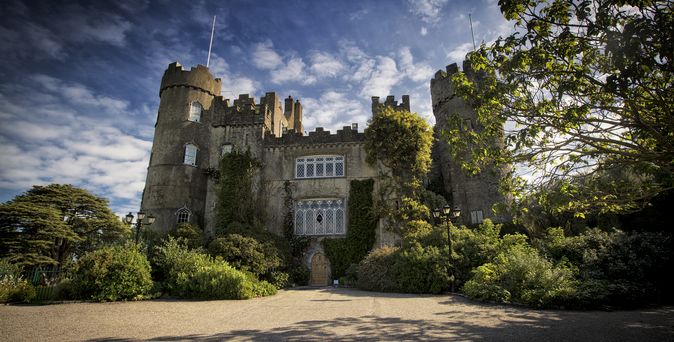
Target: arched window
x=190 y=155
x=195 y=111
x=183 y=215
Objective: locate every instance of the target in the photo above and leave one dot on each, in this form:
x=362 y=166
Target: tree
x=401 y=141
x=54 y=223
x=584 y=90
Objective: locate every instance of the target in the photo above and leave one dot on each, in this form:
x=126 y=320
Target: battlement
x=318 y=136
x=451 y=70
x=390 y=102
x=198 y=77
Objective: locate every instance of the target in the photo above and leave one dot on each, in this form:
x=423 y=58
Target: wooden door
x=319 y=270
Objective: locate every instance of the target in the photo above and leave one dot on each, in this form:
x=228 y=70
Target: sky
x=79 y=86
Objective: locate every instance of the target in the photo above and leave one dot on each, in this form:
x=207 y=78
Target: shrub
x=112 y=273
x=191 y=274
x=473 y=247
x=375 y=272
x=192 y=234
x=246 y=253
x=420 y=269
x=13 y=288
x=414 y=269
x=299 y=275
x=280 y=280
x=520 y=274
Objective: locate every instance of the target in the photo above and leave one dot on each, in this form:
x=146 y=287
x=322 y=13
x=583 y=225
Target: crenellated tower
x=390 y=102
x=474 y=194
x=175 y=188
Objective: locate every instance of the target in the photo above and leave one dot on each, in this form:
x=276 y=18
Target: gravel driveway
x=327 y=313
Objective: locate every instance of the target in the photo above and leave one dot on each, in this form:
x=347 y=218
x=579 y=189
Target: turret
x=390 y=102
x=475 y=195
x=176 y=183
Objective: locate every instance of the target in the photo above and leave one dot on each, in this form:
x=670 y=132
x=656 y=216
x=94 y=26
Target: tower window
x=196 y=109
x=183 y=215
x=190 y=155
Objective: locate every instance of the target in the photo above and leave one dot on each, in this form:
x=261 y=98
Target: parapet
x=451 y=70
x=318 y=136
x=390 y=102
x=198 y=77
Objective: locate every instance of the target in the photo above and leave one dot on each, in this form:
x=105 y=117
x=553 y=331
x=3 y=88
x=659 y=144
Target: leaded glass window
x=319 y=167
x=183 y=215
x=320 y=217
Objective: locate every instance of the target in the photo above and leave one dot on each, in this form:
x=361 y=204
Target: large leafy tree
x=585 y=92
x=51 y=224
x=402 y=142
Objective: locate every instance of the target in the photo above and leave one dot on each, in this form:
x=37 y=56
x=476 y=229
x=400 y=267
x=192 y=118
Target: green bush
x=519 y=274
x=13 y=288
x=414 y=269
x=246 y=253
x=192 y=234
x=375 y=272
x=615 y=268
x=191 y=274
x=280 y=280
x=112 y=273
x=473 y=247
x=299 y=275
x=420 y=269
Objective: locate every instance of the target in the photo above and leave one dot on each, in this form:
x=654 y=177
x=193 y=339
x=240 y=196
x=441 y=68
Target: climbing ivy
x=236 y=201
x=360 y=235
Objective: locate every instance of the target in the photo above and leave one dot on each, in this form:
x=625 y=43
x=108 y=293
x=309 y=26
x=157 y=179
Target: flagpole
x=210 y=45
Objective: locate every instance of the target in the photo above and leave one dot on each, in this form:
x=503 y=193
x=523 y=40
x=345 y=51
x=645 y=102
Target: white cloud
x=427 y=10
x=264 y=56
x=423 y=31
x=419 y=72
x=332 y=111
x=69 y=144
x=232 y=84
x=458 y=54
x=384 y=76
x=324 y=64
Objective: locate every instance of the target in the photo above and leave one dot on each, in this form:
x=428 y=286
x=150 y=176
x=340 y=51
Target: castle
x=196 y=126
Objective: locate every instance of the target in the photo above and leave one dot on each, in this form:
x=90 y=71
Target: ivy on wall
x=360 y=235
x=236 y=201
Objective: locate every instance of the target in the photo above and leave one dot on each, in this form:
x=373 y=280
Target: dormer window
x=196 y=109
x=190 y=155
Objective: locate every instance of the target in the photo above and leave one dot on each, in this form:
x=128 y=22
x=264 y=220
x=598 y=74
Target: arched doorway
x=319 y=270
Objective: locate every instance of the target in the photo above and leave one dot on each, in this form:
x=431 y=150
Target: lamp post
x=128 y=219
x=449 y=214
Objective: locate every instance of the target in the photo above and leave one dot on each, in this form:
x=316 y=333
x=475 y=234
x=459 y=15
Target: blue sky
x=80 y=80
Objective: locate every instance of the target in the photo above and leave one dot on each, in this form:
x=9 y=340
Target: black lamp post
x=449 y=215
x=128 y=219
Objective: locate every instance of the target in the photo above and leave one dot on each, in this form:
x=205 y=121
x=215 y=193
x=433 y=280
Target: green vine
x=360 y=235
x=236 y=201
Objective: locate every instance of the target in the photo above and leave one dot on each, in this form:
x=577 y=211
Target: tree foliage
x=54 y=223
x=401 y=141
x=584 y=90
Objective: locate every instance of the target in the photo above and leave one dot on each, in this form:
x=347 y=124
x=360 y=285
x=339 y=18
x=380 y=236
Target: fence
x=45 y=279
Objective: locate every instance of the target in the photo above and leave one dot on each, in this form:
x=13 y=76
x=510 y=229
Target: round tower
x=175 y=188
x=475 y=195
